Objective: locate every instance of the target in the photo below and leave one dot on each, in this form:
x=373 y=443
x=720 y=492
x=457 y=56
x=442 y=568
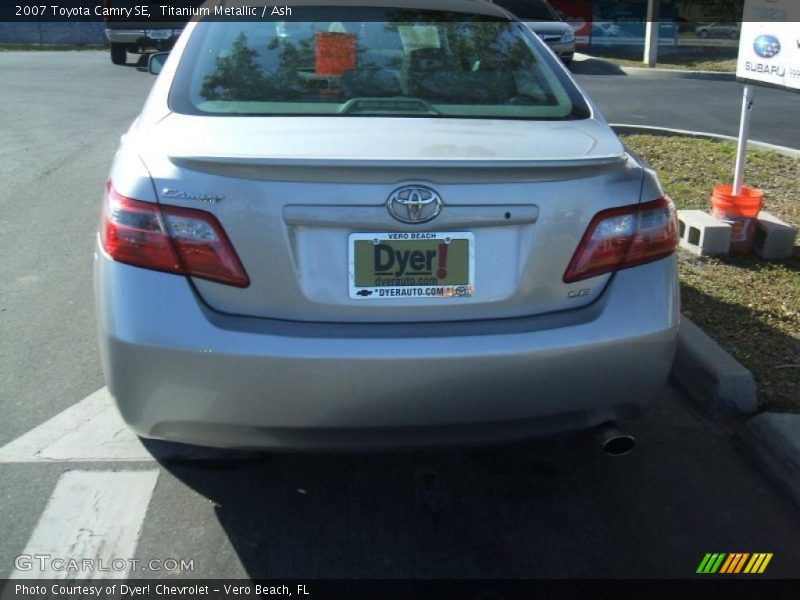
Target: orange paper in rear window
x=335 y=53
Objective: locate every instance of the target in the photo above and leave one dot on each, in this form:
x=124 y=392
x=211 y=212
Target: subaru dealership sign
x=769 y=47
x=622 y=23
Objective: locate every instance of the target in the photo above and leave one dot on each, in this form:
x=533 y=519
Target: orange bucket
x=740 y=212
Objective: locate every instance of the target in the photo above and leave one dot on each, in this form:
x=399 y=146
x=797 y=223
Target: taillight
x=624 y=237
x=177 y=240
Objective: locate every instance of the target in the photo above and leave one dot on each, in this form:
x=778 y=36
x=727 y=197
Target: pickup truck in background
x=127 y=36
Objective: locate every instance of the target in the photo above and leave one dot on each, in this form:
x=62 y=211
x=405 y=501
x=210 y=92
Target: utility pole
x=651 y=33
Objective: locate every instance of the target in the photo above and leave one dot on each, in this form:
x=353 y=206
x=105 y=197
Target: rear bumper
x=563 y=51
x=182 y=372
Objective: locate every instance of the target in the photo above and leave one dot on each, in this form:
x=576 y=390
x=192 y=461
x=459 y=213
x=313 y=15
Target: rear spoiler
x=370 y=171
x=245 y=162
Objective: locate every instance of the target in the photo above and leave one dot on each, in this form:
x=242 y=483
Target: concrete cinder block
x=702 y=234
x=718 y=385
x=774 y=239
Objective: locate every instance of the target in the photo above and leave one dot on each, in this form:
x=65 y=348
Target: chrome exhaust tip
x=614 y=441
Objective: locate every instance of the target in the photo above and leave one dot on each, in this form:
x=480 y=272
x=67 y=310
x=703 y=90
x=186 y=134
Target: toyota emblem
x=414 y=204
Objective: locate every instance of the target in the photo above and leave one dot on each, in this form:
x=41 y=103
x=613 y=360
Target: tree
x=236 y=77
x=725 y=10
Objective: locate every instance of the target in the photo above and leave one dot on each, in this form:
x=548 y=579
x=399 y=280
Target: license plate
x=159 y=34
x=411 y=265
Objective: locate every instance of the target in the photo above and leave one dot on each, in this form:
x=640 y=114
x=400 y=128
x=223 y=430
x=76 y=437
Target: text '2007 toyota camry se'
x=390 y=228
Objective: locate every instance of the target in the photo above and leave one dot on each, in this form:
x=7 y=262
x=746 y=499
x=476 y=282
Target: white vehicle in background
x=719 y=30
x=546 y=23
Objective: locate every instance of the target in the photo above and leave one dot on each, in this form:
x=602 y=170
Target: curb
x=720 y=386
x=772 y=441
x=679 y=74
x=716 y=382
x=660 y=73
x=627 y=128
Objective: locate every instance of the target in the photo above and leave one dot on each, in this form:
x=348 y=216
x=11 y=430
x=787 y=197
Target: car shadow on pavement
x=459 y=513
x=140 y=63
x=547 y=508
x=594 y=66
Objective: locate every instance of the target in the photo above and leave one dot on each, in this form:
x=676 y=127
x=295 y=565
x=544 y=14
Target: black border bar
x=737 y=587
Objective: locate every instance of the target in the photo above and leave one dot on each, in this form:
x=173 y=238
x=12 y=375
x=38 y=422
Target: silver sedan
x=410 y=228
x=546 y=23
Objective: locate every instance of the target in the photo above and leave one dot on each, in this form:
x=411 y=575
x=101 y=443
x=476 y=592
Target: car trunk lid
x=291 y=192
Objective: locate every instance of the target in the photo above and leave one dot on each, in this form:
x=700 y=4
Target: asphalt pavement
x=552 y=508
x=693 y=104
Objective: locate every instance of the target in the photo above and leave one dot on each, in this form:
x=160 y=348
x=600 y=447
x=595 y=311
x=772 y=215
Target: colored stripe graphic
x=733 y=563
x=732 y=559
x=758 y=563
x=703 y=563
x=711 y=562
x=765 y=563
x=716 y=565
x=739 y=566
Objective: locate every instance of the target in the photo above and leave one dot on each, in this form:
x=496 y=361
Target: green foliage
x=236 y=76
x=727 y=10
x=239 y=77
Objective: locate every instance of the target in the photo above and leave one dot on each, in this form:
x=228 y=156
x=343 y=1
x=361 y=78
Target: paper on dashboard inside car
x=417 y=37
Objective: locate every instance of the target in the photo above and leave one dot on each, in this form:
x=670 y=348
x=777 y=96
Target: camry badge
x=174 y=194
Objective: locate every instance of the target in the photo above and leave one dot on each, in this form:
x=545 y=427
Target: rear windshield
x=410 y=67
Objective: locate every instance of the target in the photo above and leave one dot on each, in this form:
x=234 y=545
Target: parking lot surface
x=551 y=508
x=711 y=106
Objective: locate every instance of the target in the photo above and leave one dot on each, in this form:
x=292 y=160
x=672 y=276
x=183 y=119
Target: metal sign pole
x=651 y=33
x=744 y=134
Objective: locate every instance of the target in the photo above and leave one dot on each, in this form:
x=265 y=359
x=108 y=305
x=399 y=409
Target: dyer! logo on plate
x=414 y=204
x=412 y=264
